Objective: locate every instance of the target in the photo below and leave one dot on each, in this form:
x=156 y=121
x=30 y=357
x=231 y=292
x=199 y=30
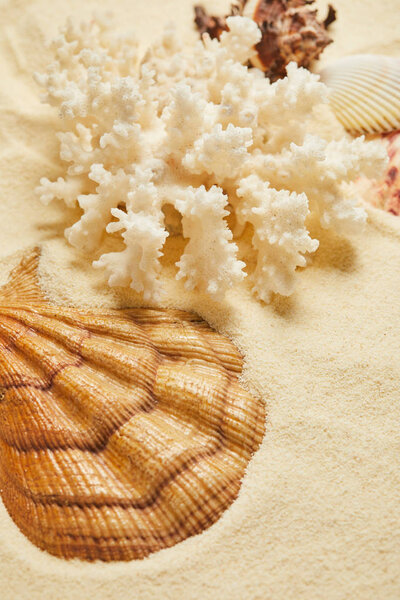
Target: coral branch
x=197 y=130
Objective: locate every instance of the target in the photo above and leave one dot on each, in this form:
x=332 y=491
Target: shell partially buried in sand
x=122 y=432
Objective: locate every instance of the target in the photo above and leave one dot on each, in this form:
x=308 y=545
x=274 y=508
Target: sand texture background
x=318 y=513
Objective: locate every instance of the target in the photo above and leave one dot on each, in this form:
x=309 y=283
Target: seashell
x=290 y=31
x=384 y=192
x=389 y=186
x=122 y=432
x=365 y=92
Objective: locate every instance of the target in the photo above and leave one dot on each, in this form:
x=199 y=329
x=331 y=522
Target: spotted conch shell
x=122 y=432
x=365 y=92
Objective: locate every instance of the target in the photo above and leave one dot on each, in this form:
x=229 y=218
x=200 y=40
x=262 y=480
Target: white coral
x=239 y=42
x=196 y=129
x=280 y=235
x=138 y=265
x=203 y=223
x=213 y=152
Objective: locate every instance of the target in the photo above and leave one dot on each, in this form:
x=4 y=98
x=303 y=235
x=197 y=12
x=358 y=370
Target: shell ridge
x=84 y=335
x=171 y=536
x=56 y=314
x=175 y=532
x=7 y=344
x=367 y=107
x=352 y=115
x=99 y=361
x=49 y=377
x=89 y=443
x=149 y=500
x=143 y=502
x=99 y=446
x=365 y=92
x=221 y=362
x=23 y=280
x=173 y=473
x=27 y=327
x=380 y=94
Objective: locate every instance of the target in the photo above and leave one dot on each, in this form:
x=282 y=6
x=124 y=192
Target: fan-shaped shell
x=365 y=92
x=121 y=432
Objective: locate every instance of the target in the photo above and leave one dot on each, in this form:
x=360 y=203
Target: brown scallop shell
x=122 y=432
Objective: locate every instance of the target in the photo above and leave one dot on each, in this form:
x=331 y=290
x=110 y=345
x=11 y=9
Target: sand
x=317 y=515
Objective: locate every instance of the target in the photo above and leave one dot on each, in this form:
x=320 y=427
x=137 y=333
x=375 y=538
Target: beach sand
x=317 y=514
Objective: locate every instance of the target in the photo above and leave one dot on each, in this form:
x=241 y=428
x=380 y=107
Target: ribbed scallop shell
x=122 y=432
x=365 y=92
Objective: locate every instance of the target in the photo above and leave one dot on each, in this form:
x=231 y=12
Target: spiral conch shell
x=122 y=432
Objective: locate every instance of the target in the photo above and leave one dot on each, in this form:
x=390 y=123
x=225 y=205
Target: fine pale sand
x=317 y=515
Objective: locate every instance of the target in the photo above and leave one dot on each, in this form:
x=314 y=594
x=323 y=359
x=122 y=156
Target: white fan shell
x=365 y=92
